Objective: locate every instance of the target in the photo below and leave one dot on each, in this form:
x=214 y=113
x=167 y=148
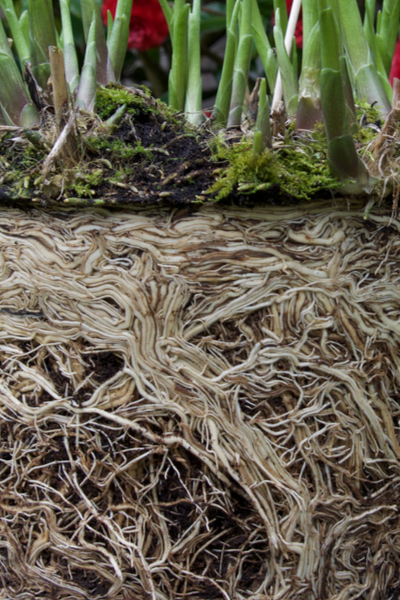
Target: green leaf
x=344 y=163
x=70 y=57
x=333 y=103
x=294 y=59
x=309 y=110
x=386 y=36
x=104 y=70
x=110 y=23
x=370 y=10
x=312 y=50
x=42 y=34
x=118 y=38
x=380 y=66
x=343 y=159
x=86 y=94
x=242 y=65
x=309 y=19
x=331 y=48
x=263 y=46
x=230 y=7
x=193 y=104
x=280 y=5
x=168 y=14
x=178 y=72
x=348 y=95
x=15 y=102
x=367 y=82
x=369 y=86
x=262 y=135
x=343 y=156
x=224 y=92
x=289 y=79
x=18 y=33
x=332 y=94
x=4 y=45
x=24 y=25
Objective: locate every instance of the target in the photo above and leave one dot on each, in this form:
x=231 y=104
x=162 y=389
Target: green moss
x=300 y=167
x=110 y=98
x=363 y=137
x=116 y=148
x=122 y=174
x=83 y=182
x=19 y=165
x=371 y=113
x=137 y=100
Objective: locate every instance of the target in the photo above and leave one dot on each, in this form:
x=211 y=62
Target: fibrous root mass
x=200 y=405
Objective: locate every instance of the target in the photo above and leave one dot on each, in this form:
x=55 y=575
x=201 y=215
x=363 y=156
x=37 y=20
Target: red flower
x=148 y=27
x=395 y=69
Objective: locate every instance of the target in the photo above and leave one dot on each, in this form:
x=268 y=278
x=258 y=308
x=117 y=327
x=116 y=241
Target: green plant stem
x=343 y=159
x=288 y=76
x=21 y=44
x=367 y=82
x=86 y=94
x=387 y=30
x=284 y=50
x=24 y=25
x=104 y=70
x=118 y=38
x=70 y=56
x=193 y=104
x=242 y=65
x=178 y=73
x=309 y=19
x=168 y=14
x=224 y=91
x=262 y=132
x=309 y=111
x=15 y=103
x=42 y=34
x=379 y=64
x=281 y=6
x=263 y=46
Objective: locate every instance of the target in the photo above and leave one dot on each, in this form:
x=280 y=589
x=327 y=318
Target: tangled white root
x=200 y=405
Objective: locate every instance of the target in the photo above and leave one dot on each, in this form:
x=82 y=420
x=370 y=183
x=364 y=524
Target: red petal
x=395 y=68
x=148 y=27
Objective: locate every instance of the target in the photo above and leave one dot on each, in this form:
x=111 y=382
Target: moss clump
x=83 y=182
x=367 y=112
x=363 y=137
x=299 y=167
x=117 y=148
x=110 y=98
x=369 y=119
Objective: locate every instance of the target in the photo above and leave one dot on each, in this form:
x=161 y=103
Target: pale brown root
x=200 y=405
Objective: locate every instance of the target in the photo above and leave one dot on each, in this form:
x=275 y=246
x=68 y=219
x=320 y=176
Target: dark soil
x=178 y=171
x=152 y=157
x=172 y=165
